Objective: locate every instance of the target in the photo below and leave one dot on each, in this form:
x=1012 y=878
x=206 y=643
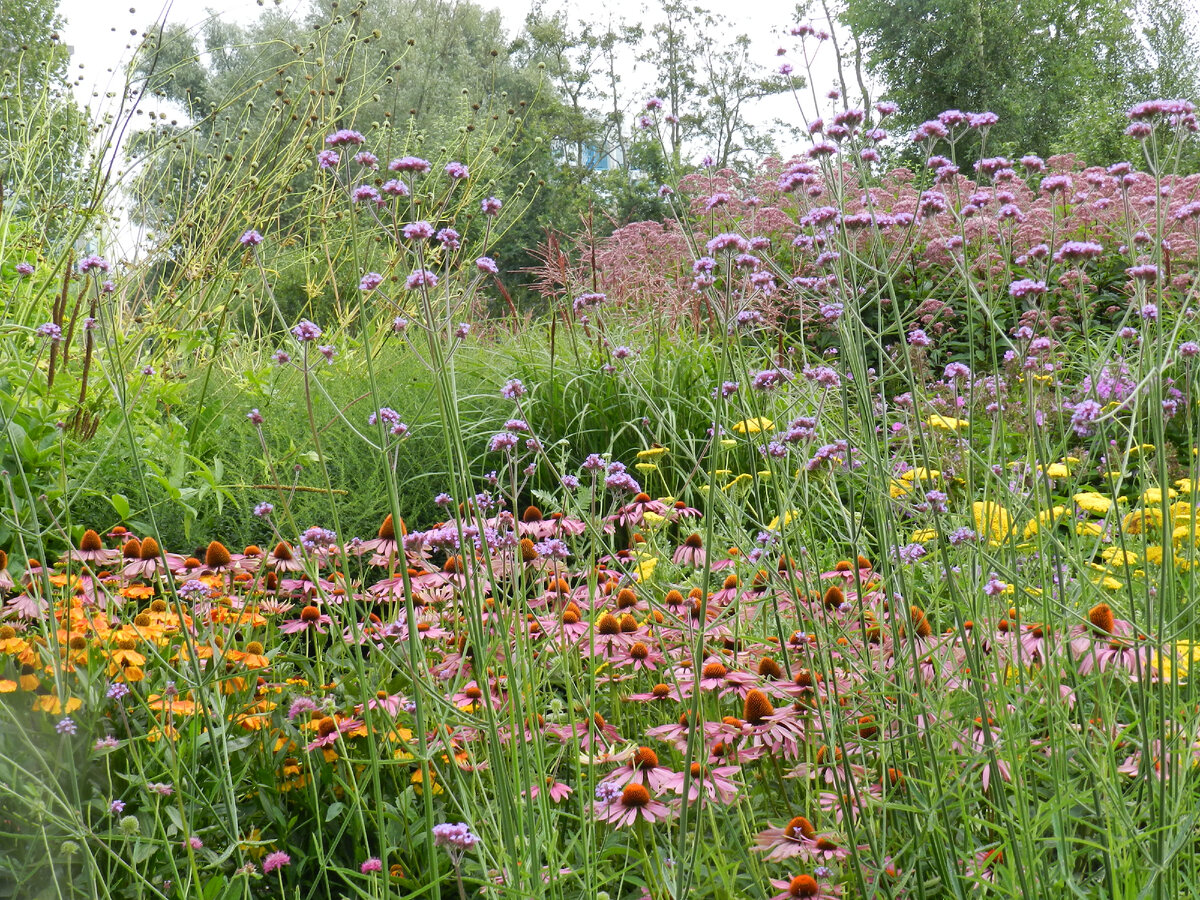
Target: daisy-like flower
x=622 y=808
x=713 y=781
x=690 y=552
x=716 y=676
x=92 y=550
x=640 y=657
x=642 y=768
x=329 y=729
x=805 y=887
x=283 y=559
x=556 y=790
x=310 y=617
x=632 y=514
x=786 y=842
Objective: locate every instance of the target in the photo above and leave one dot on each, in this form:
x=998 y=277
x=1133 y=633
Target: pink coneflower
x=621 y=808
x=609 y=639
x=392 y=704
x=385 y=545
x=690 y=552
x=283 y=559
x=642 y=768
x=632 y=513
x=681 y=510
x=310 y=617
x=716 y=676
x=556 y=790
x=714 y=781
x=780 y=732
x=275 y=861
x=329 y=729
x=567 y=625
x=785 y=842
x=805 y=887
x=470 y=696
x=91 y=550
x=863 y=798
x=1107 y=642
x=148 y=562
x=658 y=693
x=640 y=657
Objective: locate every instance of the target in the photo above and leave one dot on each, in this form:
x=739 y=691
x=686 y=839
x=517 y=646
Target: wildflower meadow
x=829 y=532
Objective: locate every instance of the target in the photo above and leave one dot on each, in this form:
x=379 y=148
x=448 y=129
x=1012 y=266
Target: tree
x=1056 y=73
x=706 y=85
x=43 y=135
x=31 y=55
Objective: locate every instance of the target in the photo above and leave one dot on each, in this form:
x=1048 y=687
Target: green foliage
x=1059 y=75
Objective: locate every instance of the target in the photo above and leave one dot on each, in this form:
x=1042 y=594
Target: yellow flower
x=645 y=568
x=1090 y=501
x=1115 y=556
x=753 y=426
x=743 y=479
x=51 y=704
x=1179 y=662
x=1184 y=533
x=418 y=778
x=645 y=467
x=253 y=845
x=947 y=423
x=1139 y=520
x=763 y=473
x=924 y=535
x=1140 y=449
x=727 y=443
x=1184 y=485
x=791 y=514
x=1047 y=518
x=653 y=519
x=1182 y=512
x=992 y=522
x=1057 y=470
x=1153 y=496
x=652 y=453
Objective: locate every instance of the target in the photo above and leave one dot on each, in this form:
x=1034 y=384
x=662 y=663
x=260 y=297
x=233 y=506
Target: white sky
x=99 y=31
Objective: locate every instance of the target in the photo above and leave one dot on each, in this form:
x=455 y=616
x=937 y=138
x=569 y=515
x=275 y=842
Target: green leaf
x=121 y=504
x=335 y=810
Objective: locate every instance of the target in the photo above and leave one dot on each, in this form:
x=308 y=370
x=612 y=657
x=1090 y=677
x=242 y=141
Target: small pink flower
x=374 y=864
x=274 y=861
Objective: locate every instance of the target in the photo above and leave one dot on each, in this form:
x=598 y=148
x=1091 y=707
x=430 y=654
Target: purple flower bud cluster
x=455 y=836
x=306 y=331
x=317 y=538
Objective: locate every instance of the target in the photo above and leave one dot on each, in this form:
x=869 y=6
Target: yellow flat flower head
x=1090 y=501
x=992 y=522
x=947 y=423
x=753 y=426
x=1153 y=496
x=652 y=453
